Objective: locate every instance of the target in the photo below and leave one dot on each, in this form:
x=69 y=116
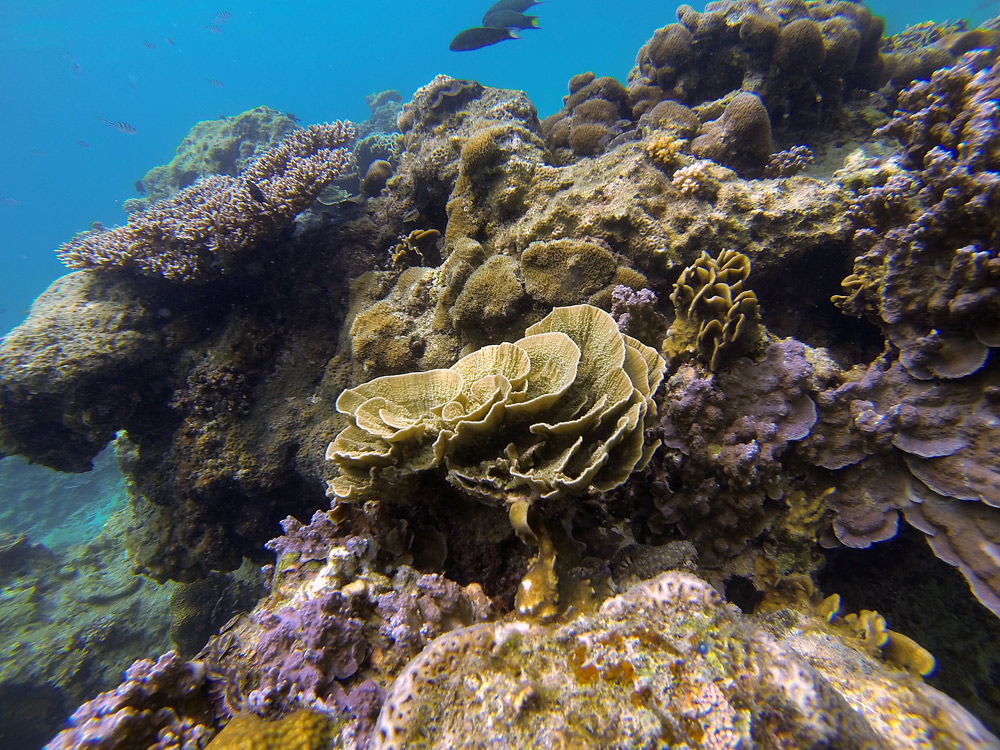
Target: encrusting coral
x=201 y=232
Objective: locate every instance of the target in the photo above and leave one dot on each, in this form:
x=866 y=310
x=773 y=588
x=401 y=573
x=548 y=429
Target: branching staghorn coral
x=199 y=233
x=716 y=317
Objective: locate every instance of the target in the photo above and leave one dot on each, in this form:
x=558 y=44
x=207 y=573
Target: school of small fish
x=501 y=22
x=120 y=125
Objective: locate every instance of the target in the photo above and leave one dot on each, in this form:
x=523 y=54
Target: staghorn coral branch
x=199 y=233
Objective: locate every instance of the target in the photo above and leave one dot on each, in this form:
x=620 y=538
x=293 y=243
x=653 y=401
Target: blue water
x=66 y=64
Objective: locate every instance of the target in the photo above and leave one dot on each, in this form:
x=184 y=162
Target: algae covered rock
x=667 y=663
x=558 y=412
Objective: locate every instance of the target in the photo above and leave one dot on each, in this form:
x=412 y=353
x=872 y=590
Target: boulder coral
x=666 y=661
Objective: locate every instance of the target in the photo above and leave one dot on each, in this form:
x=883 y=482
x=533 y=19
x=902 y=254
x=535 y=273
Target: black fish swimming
x=140 y=188
x=480 y=36
x=518 y=6
x=510 y=18
x=255 y=192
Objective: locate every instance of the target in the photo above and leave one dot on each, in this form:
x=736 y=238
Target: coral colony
x=552 y=392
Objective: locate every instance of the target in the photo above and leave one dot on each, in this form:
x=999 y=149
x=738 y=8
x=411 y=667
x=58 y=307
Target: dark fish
x=255 y=192
x=83 y=143
x=499 y=18
x=168 y=40
x=149 y=44
x=480 y=36
x=213 y=28
x=518 y=6
x=292 y=117
x=73 y=63
x=39 y=152
x=222 y=16
x=140 y=188
x=10 y=201
x=215 y=82
x=122 y=127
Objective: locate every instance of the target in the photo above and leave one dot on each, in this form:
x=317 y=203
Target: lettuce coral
x=558 y=412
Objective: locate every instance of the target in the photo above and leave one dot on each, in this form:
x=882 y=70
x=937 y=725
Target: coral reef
x=208 y=228
x=667 y=661
x=716 y=318
x=161 y=704
x=498 y=468
x=929 y=276
x=740 y=138
x=225 y=146
x=559 y=412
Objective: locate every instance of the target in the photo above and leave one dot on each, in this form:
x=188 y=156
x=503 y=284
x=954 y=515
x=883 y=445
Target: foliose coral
x=203 y=231
x=716 y=318
x=569 y=401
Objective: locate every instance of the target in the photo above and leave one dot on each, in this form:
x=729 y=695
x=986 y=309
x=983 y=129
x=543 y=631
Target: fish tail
x=534 y=22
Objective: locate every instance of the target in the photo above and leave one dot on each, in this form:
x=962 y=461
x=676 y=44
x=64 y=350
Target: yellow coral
x=301 y=730
x=667 y=150
x=559 y=412
x=716 y=317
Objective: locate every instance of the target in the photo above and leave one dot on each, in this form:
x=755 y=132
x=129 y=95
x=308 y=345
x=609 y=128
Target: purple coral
x=161 y=705
x=938 y=222
x=198 y=234
x=732 y=430
x=637 y=316
x=304 y=648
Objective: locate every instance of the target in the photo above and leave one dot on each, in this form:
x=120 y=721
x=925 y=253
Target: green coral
x=559 y=272
x=560 y=412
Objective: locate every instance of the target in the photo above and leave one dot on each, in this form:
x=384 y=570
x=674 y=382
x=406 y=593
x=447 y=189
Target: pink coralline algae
x=201 y=232
x=161 y=705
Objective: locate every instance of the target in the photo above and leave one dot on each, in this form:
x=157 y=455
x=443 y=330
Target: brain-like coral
x=558 y=412
x=741 y=138
x=792 y=54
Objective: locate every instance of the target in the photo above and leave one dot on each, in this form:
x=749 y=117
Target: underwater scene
x=514 y=375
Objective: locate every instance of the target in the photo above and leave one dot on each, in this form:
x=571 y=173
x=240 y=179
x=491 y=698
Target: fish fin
x=534 y=23
x=513 y=32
